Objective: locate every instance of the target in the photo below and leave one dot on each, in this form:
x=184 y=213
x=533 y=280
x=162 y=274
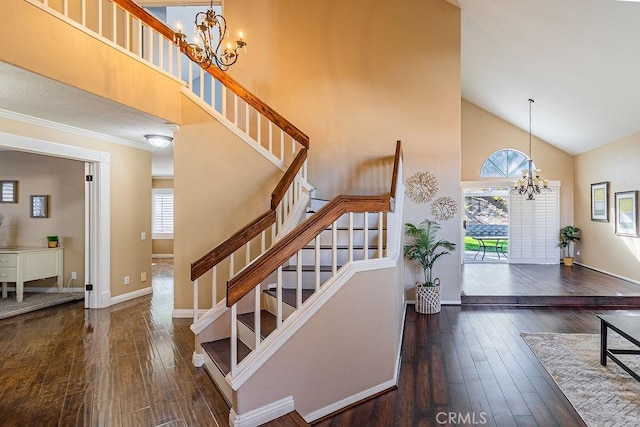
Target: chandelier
x=211 y=30
x=530 y=183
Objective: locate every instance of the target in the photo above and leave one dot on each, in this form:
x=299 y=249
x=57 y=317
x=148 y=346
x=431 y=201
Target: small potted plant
x=568 y=236
x=422 y=246
x=52 y=241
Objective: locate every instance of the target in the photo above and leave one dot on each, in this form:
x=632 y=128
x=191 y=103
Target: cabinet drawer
x=8 y=275
x=8 y=260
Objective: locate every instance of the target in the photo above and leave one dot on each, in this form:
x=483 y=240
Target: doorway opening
x=486 y=224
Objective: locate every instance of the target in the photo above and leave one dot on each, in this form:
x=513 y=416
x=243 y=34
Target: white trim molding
x=263 y=414
x=131 y=295
x=617 y=276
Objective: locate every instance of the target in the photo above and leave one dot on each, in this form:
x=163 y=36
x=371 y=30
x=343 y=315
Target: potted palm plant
x=423 y=247
x=568 y=236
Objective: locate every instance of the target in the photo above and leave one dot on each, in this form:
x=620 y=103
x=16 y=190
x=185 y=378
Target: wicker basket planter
x=428 y=298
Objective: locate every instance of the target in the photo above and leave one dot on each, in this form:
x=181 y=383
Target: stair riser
x=358 y=220
x=326 y=238
x=289 y=279
x=326 y=257
x=246 y=335
x=271 y=305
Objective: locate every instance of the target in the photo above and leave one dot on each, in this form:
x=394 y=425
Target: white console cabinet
x=21 y=264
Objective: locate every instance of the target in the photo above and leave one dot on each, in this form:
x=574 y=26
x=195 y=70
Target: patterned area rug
x=9 y=307
x=602 y=395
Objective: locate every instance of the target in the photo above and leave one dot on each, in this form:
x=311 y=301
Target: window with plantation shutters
x=162 y=213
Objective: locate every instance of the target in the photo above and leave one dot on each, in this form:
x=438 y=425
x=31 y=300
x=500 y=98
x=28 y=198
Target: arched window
x=504 y=163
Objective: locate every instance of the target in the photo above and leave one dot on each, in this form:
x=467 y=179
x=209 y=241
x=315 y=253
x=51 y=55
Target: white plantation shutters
x=533 y=228
x=162 y=213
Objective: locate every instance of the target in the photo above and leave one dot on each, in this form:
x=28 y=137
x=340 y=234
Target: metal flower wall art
x=444 y=208
x=421 y=187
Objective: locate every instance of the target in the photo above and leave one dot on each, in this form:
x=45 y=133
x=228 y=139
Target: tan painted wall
x=162 y=246
x=220 y=185
x=363 y=320
x=599 y=246
x=102 y=70
x=483 y=134
x=63 y=181
x=130 y=201
x=356 y=76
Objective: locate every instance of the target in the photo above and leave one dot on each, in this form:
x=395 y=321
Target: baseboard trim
x=263 y=414
x=337 y=406
x=131 y=295
x=412 y=301
x=186 y=313
x=617 y=276
x=166 y=256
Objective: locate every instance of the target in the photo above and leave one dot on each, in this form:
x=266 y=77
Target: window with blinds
x=162 y=213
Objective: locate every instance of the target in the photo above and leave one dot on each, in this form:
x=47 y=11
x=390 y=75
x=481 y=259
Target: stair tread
x=323 y=268
x=289 y=295
x=267 y=322
x=220 y=352
x=342 y=247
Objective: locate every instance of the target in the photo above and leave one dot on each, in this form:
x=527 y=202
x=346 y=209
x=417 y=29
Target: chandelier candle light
x=529 y=184
x=211 y=30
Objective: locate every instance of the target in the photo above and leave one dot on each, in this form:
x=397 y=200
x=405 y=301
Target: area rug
x=602 y=395
x=32 y=301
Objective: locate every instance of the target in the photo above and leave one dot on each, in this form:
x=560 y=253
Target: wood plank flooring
x=545 y=285
x=471 y=362
x=130 y=365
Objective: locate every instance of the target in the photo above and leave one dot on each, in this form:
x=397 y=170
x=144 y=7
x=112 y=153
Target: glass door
x=486 y=225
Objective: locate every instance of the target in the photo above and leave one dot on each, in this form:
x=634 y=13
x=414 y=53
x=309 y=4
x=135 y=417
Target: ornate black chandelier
x=211 y=29
x=531 y=184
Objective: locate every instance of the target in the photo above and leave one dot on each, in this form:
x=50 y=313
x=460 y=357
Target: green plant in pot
x=568 y=236
x=52 y=241
x=423 y=246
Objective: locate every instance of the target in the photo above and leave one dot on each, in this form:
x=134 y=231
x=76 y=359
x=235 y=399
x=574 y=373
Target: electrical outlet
x=74 y=275
x=143 y=236
x=143 y=276
x=578 y=253
x=126 y=280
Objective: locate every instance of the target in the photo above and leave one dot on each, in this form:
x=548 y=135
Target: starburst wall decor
x=421 y=187
x=444 y=208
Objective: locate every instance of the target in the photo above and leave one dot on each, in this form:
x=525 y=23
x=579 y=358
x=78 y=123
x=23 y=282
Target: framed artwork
x=39 y=206
x=8 y=191
x=627 y=213
x=600 y=202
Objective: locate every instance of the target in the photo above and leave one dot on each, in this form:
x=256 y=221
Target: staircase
x=328 y=289
x=312 y=318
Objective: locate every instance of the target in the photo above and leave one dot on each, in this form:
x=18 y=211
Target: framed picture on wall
x=8 y=191
x=600 y=202
x=627 y=213
x=39 y=206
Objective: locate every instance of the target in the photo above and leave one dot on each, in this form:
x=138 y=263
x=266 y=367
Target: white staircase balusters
x=195 y=301
x=350 y=245
x=214 y=286
x=334 y=247
x=365 y=251
x=234 y=338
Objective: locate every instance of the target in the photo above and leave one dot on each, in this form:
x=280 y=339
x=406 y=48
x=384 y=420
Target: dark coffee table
x=627 y=327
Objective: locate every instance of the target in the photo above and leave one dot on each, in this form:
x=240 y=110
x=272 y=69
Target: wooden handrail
x=287 y=179
x=396 y=167
x=232 y=244
x=242 y=283
x=285 y=248
x=220 y=75
x=251 y=230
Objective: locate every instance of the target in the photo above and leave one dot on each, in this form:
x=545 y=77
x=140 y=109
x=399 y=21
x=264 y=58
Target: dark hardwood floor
x=545 y=285
x=472 y=362
x=130 y=365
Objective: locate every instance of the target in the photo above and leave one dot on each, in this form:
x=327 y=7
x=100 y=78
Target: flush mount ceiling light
x=211 y=30
x=159 y=141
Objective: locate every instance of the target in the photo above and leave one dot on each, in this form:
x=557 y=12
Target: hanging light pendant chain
x=529 y=184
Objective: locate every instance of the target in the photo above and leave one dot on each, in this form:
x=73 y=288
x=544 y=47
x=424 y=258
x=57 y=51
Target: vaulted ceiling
x=578 y=59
